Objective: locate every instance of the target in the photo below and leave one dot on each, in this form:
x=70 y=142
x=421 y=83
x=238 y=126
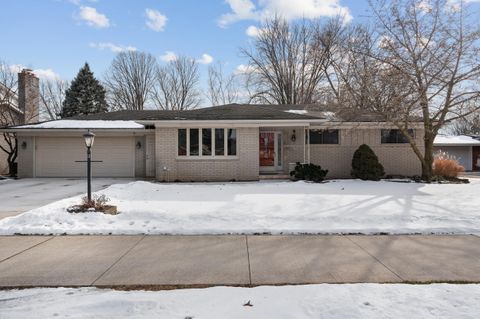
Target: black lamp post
x=89 y=138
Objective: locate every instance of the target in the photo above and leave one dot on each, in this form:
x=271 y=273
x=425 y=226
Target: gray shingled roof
x=243 y=112
x=222 y=112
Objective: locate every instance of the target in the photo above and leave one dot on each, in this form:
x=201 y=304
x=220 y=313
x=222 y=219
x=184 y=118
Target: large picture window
x=395 y=136
x=182 y=142
x=207 y=142
x=232 y=142
x=323 y=136
x=219 y=142
x=194 y=142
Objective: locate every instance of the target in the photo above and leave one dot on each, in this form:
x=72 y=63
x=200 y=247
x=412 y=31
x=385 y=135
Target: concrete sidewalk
x=191 y=261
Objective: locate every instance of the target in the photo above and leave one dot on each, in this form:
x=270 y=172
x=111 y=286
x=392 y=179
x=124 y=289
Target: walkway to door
x=197 y=261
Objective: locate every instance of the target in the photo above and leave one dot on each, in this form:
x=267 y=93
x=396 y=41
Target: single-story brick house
x=465 y=149
x=220 y=143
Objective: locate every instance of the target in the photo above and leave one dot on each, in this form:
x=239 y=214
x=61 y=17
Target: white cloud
x=93 y=18
x=253 y=31
x=155 y=20
x=288 y=9
x=424 y=6
x=241 y=10
x=205 y=59
x=45 y=74
x=243 y=69
x=112 y=47
x=455 y=5
x=168 y=56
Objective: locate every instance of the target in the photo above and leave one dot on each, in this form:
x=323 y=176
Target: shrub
x=309 y=172
x=365 y=164
x=446 y=166
x=98 y=204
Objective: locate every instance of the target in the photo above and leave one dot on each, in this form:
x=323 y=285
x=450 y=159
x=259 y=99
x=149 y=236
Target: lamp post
x=89 y=138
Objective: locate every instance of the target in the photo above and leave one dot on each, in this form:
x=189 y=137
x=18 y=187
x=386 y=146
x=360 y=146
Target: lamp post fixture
x=89 y=138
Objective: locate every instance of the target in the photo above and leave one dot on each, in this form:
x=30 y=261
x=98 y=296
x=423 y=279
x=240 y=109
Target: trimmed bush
x=365 y=164
x=309 y=172
x=446 y=166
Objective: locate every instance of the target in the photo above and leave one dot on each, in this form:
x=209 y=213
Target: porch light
x=24 y=145
x=89 y=138
x=293 y=138
x=139 y=145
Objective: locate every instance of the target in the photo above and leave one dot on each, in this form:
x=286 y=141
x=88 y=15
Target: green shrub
x=309 y=172
x=365 y=164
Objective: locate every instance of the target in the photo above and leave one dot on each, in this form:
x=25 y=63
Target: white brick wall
x=397 y=159
x=170 y=167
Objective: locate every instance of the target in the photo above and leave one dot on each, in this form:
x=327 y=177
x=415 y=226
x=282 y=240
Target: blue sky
x=55 y=37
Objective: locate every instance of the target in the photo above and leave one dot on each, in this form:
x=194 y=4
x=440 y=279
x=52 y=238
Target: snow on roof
x=455 y=140
x=297 y=111
x=80 y=124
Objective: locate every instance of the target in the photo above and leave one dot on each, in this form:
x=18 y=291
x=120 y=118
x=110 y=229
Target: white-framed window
x=207 y=142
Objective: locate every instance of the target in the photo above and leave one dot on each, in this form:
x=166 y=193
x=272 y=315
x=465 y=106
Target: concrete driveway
x=18 y=196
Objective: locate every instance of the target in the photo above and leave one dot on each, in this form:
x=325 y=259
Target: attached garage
x=462 y=148
x=58 y=156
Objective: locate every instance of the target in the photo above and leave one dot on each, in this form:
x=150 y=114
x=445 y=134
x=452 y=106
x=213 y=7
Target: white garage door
x=56 y=156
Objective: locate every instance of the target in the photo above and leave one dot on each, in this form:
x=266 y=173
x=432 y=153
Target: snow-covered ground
x=315 y=301
x=342 y=206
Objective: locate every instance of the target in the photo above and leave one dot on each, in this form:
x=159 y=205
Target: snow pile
x=301 y=302
x=444 y=140
x=82 y=124
x=342 y=206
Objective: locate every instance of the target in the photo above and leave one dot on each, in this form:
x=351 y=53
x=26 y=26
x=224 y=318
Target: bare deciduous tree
x=52 y=95
x=222 y=89
x=419 y=60
x=290 y=61
x=177 y=85
x=130 y=79
x=469 y=125
x=9 y=114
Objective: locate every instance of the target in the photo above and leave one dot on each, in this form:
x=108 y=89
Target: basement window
x=207 y=142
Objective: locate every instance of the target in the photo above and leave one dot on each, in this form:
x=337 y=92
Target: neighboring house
x=465 y=149
x=17 y=109
x=221 y=143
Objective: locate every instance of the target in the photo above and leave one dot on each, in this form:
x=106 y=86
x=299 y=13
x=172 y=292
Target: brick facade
x=397 y=159
x=170 y=167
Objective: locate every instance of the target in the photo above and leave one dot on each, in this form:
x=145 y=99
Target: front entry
x=476 y=158
x=271 y=144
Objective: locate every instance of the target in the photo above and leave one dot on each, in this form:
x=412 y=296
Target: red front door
x=267 y=149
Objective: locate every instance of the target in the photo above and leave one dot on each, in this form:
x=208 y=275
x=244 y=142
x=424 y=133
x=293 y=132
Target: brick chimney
x=28 y=95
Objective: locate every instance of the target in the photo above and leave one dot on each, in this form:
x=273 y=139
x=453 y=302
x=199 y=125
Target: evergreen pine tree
x=84 y=96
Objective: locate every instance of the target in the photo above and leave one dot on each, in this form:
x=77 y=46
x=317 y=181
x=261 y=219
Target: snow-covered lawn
x=341 y=206
x=315 y=301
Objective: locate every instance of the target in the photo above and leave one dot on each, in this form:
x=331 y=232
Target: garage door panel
x=56 y=157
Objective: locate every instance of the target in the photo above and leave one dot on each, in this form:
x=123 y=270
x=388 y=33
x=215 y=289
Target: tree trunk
x=427 y=164
x=12 y=169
